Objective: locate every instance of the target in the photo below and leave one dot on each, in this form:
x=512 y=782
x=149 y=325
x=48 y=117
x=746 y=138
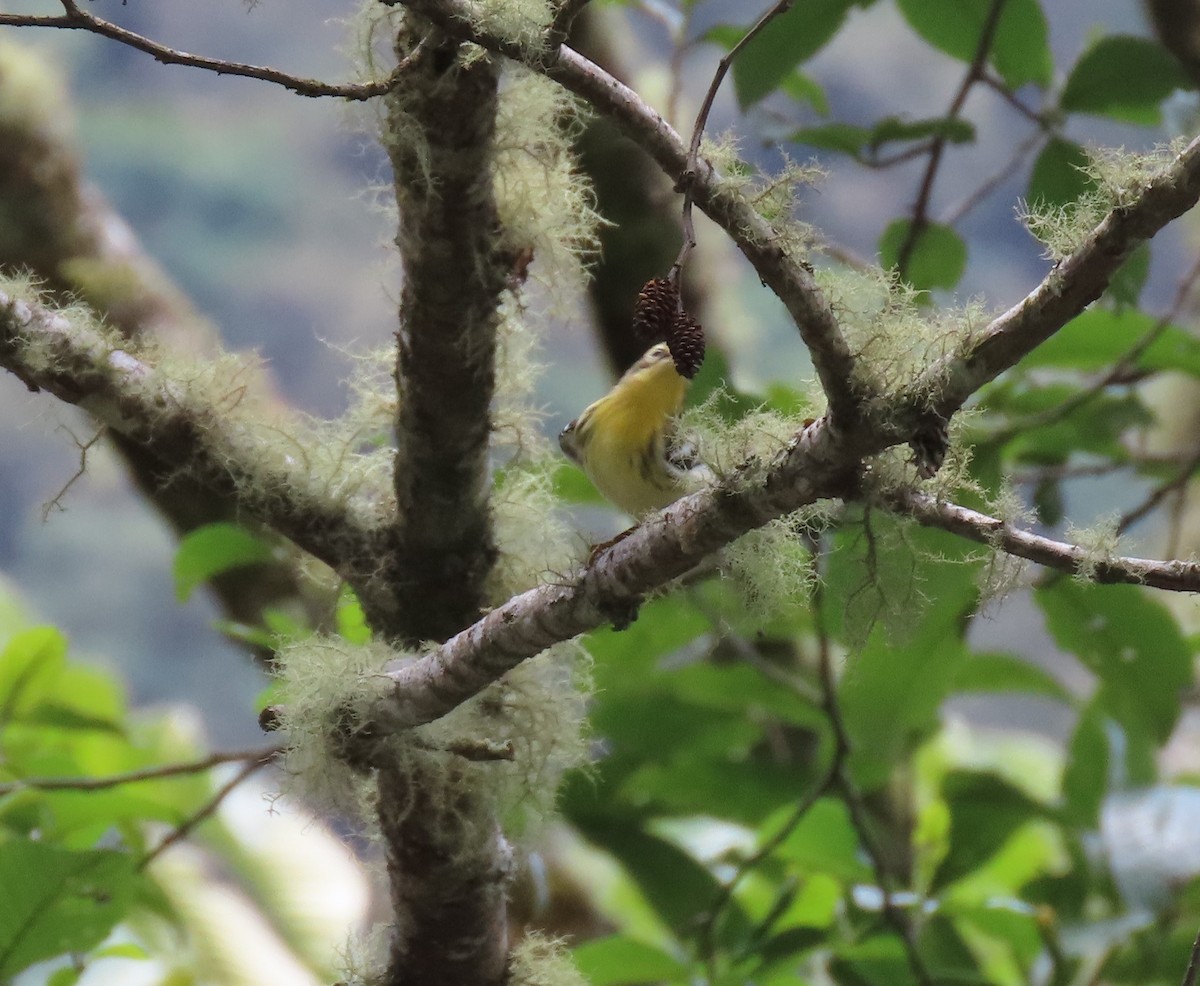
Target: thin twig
x=259 y=755
x=84 y=448
x=1175 y=484
x=688 y=177
x=76 y=18
x=1174 y=575
x=1010 y=97
x=564 y=17
x=1003 y=174
x=706 y=943
x=205 y=811
x=974 y=73
x=881 y=162
x=853 y=799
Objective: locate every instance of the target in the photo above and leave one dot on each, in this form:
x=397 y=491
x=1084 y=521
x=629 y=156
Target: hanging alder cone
x=655 y=310
x=686 y=342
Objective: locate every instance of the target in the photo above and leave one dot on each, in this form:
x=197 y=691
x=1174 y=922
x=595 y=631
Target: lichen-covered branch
x=787 y=275
x=441 y=123
x=1174 y=575
x=1072 y=285
x=449 y=865
x=183 y=424
x=818 y=463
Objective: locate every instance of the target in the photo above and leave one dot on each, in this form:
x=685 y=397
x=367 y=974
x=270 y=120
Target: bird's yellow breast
x=620 y=440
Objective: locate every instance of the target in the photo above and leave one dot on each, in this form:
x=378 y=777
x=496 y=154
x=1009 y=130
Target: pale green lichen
x=745 y=445
x=895 y=339
x=1118 y=179
x=545 y=202
x=1003 y=572
x=540 y=961
x=774 y=196
x=523 y=22
x=272 y=454
x=1099 y=542
x=327 y=684
x=772 y=567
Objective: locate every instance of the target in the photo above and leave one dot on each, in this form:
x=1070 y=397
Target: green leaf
x=860 y=142
x=804 y=89
x=876 y=960
x=1059 y=175
x=825 y=841
x=1136 y=649
x=1099 y=337
x=891 y=693
x=66 y=976
x=30 y=666
x=572 y=485
x=1019 y=51
x=677 y=886
x=1095 y=428
x=842 y=137
x=624 y=659
x=211 y=550
x=1125 y=286
x=1125 y=78
x=891 y=129
x=1085 y=779
x=985 y=811
x=56 y=901
x=351 y=621
x=1006 y=673
x=937 y=258
x=790 y=39
x=1048 y=501
x=617 y=959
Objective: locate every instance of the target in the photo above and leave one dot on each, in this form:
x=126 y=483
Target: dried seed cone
x=686 y=342
x=655 y=310
x=930 y=445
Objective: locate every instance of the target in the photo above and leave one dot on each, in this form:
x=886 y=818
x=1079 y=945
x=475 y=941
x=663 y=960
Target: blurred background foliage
x=996 y=792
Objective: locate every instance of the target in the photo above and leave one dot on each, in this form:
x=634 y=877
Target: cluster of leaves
x=91 y=791
x=719 y=770
x=1119 y=77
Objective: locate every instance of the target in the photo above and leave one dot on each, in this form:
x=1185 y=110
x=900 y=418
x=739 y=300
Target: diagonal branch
x=188 y=435
x=820 y=462
x=1175 y=575
x=78 y=19
x=158 y=772
x=1070 y=287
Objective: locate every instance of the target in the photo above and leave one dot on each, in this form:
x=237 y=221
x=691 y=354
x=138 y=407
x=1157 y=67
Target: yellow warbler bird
x=624 y=441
